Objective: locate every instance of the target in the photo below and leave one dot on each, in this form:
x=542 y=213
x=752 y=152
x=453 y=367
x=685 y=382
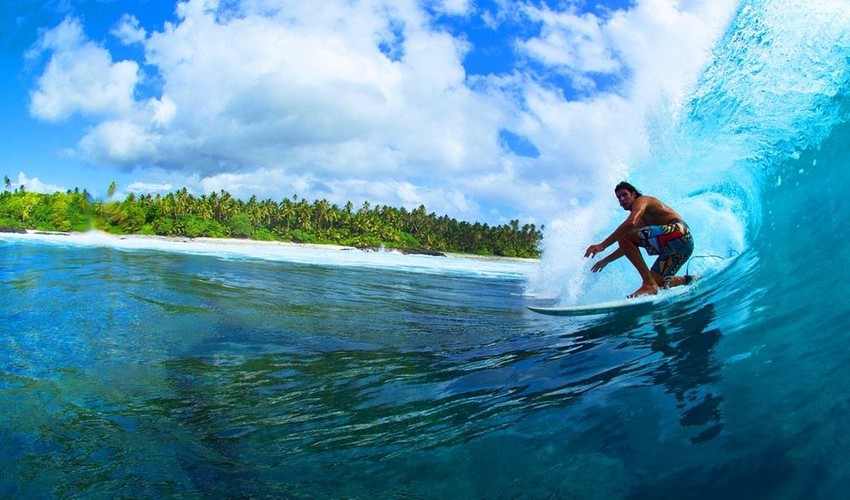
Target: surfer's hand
x=599 y=266
x=592 y=250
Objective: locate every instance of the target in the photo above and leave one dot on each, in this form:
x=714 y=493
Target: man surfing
x=654 y=226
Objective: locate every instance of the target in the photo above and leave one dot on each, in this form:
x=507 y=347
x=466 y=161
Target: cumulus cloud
x=35 y=185
x=572 y=42
x=80 y=77
x=454 y=7
x=654 y=51
x=371 y=100
x=120 y=141
x=128 y=30
x=264 y=183
x=150 y=187
x=305 y=90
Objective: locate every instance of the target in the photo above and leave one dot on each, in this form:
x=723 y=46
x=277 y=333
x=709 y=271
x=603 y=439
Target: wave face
x=764 y=148
x=757 y=161
x=760 y=137
x=761 y=153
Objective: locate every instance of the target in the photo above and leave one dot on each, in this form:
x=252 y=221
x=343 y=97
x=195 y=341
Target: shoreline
x=239 y=242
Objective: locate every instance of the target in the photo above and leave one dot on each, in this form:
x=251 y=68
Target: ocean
x=146 y=368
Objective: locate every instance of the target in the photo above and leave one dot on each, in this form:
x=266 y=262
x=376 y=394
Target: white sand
x=231 y=248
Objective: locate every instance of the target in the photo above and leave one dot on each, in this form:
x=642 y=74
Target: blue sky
x=484 y=110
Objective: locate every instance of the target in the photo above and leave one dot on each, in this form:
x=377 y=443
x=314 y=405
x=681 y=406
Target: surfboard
x=635 y=304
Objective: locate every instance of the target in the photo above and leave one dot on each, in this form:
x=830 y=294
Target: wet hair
x=628 y=187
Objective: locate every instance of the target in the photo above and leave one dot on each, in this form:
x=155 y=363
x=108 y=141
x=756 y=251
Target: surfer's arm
x=621 y=231
x=616 y=254
x=632 y=222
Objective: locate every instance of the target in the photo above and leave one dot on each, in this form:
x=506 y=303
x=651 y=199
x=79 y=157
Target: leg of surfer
x=666 y=266
x=630 y=248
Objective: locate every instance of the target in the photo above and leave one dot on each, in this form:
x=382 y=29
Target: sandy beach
x=210 y=245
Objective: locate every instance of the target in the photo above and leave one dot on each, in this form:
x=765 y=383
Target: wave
x=755 y=161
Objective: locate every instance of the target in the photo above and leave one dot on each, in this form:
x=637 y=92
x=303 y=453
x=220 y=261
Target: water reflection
x=670 y=348
x=377 y=403
x=690 y=371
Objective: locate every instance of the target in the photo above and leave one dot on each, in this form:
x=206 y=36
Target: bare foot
x=645 y=289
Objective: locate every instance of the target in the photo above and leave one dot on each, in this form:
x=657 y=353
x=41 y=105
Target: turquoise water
x=144 y=372
x=157 y=370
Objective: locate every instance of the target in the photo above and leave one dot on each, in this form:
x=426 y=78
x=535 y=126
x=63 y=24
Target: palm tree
x=287 y=212
x=252 y=209
x=203 y=207
x=226 y=206
x=183 y=202
x=320 y=210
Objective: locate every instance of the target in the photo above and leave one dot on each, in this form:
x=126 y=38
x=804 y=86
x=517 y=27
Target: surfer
x=654 y=226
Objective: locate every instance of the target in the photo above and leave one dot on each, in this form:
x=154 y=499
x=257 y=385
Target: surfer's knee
x=627 y=241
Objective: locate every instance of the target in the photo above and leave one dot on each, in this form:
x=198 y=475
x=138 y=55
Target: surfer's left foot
x=650 y=289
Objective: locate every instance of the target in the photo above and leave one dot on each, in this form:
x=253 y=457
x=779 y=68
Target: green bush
x=163 y=227
x=303 y=237
x=240 y=226
x=264 y=234
x=191 y=226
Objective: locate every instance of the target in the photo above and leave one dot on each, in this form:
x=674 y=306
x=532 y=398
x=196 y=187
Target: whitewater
x=143 y=367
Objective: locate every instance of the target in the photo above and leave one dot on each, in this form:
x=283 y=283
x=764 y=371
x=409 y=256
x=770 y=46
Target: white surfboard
x=637 y=303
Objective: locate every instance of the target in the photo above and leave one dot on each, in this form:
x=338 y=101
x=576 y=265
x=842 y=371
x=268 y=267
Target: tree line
x=220 y=215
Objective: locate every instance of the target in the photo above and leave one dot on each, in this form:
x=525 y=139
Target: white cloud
x=129 y=31
x=80 y=77
x=312 y=92
x=454 y=7
x=665 y=46
x=272 y=183
x=369 y=100
x=150 y=187
x=118 y=141
x=656 y=48
x=34 y=185
x=571 y=42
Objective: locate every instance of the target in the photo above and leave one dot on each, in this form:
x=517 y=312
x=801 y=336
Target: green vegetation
x=219 y=215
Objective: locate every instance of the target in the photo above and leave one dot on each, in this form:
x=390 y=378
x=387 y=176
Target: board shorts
x=672 y=243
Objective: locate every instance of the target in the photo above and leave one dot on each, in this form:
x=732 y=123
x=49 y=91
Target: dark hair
x=628 y=187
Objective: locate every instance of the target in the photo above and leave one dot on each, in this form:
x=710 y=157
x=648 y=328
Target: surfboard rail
x=645 y=301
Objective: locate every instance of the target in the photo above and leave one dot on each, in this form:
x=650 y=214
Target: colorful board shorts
x=672 y=243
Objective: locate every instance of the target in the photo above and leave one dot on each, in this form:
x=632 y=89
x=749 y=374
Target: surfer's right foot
x=645 y=289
